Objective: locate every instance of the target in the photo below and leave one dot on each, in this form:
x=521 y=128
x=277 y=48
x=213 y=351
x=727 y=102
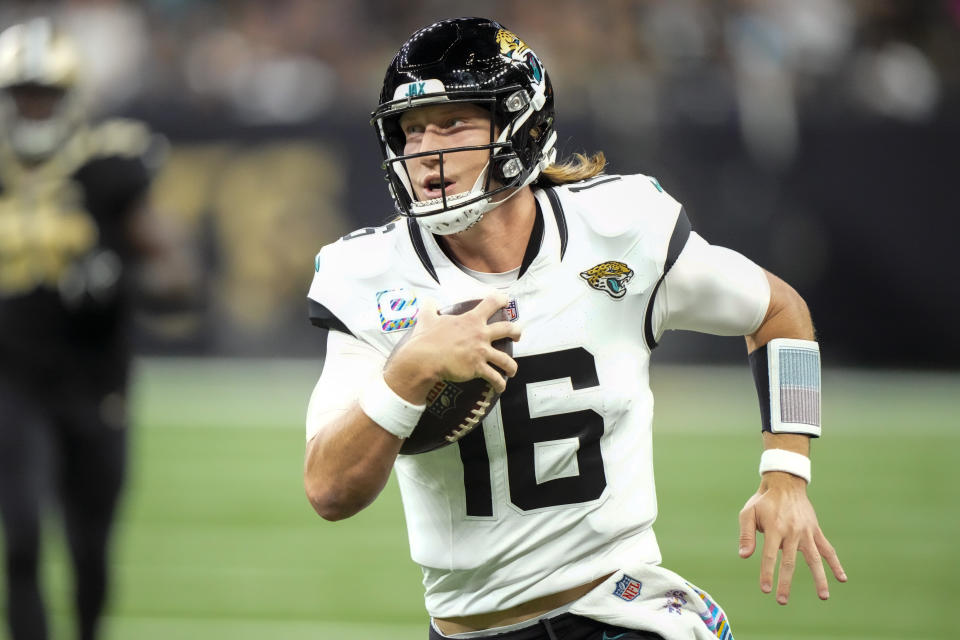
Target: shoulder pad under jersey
x=632 y=219
x=622 y=205
x=346 y=276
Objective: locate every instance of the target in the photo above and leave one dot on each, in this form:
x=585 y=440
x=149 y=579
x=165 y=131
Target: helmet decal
x=515 y=49
x=418 y=88
x=510 y=44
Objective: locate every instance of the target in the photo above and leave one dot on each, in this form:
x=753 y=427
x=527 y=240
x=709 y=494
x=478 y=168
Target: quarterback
x=538 y=522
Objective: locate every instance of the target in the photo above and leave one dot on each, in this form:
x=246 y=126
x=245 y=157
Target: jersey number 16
x=521 y=433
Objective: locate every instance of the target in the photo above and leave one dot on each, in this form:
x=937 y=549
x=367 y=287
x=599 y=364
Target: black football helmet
x=473 y=60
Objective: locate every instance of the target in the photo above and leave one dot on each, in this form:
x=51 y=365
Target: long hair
x=579 y=167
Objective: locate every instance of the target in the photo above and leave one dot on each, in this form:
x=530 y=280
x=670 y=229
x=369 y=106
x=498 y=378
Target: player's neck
x=498 y=242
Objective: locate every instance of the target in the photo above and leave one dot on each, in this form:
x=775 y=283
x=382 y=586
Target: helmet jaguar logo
x=515 y=49
x=611 y=277
x=509 y=42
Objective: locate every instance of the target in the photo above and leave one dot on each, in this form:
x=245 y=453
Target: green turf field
x=217 y=541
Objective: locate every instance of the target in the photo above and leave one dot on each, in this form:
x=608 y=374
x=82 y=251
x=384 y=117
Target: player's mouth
x=432 y=187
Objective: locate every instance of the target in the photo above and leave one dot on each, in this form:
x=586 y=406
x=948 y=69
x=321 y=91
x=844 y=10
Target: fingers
x=491 y=375
x=830 y=555
x=788 y=525
x=748 y=532
x=489 y=305
x=428 y=309
x=788 y=564
x=501 y=360
x=504 y=329
x=768 y=559
x=814 y=561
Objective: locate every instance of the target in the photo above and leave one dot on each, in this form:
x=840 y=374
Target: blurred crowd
x=293 y=60
x=761 y=115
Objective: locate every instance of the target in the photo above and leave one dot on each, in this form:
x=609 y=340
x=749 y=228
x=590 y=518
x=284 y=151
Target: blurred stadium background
x=818 y=137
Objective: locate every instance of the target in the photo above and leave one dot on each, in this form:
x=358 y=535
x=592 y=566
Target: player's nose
x=431 y=140
x=431 y=160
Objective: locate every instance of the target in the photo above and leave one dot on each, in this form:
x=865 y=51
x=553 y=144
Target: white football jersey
x=557 y=488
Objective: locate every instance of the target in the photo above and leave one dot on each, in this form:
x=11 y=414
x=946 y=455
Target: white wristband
x=783 y=460
x=390 y=411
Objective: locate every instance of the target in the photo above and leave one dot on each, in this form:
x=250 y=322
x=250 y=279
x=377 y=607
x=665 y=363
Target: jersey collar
x=548 y=238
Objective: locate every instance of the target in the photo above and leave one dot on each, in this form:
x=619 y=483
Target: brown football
x=455 y=408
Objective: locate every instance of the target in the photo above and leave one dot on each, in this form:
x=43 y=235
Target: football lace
x=467 y=426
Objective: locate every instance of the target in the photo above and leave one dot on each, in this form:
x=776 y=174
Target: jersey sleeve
x=335 y=301
x=711 y=289
x=348 y=365
x=322 y=317
x=343 y=296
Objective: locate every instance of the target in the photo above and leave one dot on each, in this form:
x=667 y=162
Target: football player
x=538 y=524
x=74 y=226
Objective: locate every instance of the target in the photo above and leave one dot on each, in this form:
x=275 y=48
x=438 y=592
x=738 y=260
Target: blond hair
x=579 y=167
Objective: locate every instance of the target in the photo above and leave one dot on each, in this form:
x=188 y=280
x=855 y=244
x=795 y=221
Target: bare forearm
x=347 y=465
x=787 y=316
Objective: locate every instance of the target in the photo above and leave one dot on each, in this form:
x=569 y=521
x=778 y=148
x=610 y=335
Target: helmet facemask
x=35 y=137
x=521 y=141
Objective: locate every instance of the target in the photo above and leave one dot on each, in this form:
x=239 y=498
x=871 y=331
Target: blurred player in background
x=75 y=226
x=538 y=524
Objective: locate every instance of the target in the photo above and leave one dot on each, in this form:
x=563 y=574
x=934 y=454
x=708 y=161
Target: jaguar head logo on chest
x=611 y=277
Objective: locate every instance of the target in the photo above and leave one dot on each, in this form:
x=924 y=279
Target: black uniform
x=65 y=254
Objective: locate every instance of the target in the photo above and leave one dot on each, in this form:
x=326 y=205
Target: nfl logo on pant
x=627 y=588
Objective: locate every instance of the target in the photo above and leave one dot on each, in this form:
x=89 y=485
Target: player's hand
x=459 y=347
x=781 y=511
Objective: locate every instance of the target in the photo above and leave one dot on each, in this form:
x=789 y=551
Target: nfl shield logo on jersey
x=511 y=310
x=627 y=588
